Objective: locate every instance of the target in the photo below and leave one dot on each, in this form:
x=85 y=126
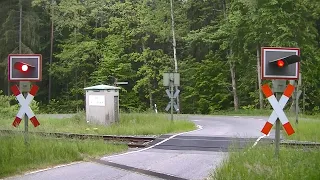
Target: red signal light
x=22 y=66
x=280 y=63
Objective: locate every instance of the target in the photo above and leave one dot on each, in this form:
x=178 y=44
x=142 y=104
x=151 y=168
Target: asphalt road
x=191 y=155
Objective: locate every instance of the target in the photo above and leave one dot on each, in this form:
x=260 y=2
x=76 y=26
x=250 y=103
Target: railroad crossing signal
x=280 y=63
x=283 y=62
x=174 y=105
x=24 y=103
x=176 y=94
x=171 y=78
x=278 y=109
x=24 y=67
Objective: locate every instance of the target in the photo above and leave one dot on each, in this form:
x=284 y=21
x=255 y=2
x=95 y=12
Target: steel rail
x=131 y=141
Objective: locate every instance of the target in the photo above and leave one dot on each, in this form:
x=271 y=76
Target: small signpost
x=25 y=68
x=279 y=65
x=172 y=79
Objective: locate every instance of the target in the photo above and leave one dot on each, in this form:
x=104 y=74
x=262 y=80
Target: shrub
x=62 y=106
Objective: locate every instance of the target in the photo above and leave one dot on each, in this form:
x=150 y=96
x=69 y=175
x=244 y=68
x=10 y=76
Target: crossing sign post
x=172 y=79
x=174 y=97
x=278 y=109
x=279 y=64
x=24 y=69
x=24 y=105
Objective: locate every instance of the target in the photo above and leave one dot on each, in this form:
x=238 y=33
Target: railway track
x=131 y=141
x=138 y=141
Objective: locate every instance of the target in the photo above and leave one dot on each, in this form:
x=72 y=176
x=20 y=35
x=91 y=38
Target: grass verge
x=260 y=163
x=130 y=124
x=306 y=130
x=16 y=157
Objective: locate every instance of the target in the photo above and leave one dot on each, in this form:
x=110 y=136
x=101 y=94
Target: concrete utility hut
x=102 y=104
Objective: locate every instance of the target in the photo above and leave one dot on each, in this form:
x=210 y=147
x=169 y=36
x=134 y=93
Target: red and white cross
x=24 y=103
x=277 y=109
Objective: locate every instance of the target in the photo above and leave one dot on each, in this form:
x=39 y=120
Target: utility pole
x=171 y=98
x=20 y=26
x=171 y=80
x=277 y=135
x=278 y=87
x=19 y=38
x=174 y=47
x=276 y=63
x=51 y=51
x=173 y=39
x=26 y=83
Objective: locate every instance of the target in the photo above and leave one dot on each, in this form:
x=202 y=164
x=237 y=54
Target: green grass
x=260 y=163
x=130 y=124
x=16 y=157
x=308 y=129
x=44 y=152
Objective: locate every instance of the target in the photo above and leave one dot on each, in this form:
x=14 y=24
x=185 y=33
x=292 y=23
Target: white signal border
x=11 y=57
x=279 y=50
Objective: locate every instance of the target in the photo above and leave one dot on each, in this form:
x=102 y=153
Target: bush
x=6 y=110
x=62 y=106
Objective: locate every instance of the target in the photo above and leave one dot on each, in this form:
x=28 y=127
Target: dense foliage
x=218 y=41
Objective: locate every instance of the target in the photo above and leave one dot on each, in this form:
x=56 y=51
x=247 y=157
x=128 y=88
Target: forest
x=214 y=44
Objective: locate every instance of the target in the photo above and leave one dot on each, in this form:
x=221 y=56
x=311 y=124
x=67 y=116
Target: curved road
x=192 y=155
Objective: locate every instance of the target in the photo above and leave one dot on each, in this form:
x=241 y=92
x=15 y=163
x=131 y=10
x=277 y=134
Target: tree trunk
x=234 y=86
x=150 y=80
x=232 y=67
x=8 y=88
x=76 y=71
x=150 y=98
x=259 y=77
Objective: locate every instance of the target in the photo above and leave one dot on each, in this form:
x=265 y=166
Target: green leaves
x=100 y=42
